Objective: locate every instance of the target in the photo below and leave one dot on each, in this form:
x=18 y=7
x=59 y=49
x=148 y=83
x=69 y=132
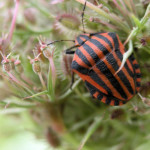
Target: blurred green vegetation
x=38 y=110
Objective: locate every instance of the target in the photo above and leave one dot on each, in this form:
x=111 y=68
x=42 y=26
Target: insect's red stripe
x=136 y=70
x=99 y=73
x=115 y=86
x=90 y=59
x=130 y=79
x=112 y=103
x=104 y=99
x=138 y=79
x=91 y=81
x=120 y=103
x=103 y=43
x=95 y=49
x=119 y=45
x=83 y=39
x=86 y=54
x=138 y=73
x=80 y=61
x=96 y=94
x=112 y=70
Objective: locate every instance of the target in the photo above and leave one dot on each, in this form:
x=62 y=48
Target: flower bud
x=47 y=53
x=18 y=66
x=68 y=24
x=36 y=67
x=6 y=66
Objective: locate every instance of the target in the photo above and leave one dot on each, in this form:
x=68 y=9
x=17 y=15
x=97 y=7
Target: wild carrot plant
x=36 y=77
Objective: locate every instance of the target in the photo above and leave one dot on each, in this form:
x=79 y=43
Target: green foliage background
x=56 y=117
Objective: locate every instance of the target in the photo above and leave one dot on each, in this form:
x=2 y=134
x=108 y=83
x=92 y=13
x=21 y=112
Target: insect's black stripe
x=91 y=52
x=98 y=80
x=122 y=75
x=79 y=40
x=112 y=80
x=100 y=46
x=138 y=84
x=132 y=57
x=104 y=39
x=92 y=75
x=136 y=66
x=90 y=87
x=79 y=68
x=107 y=101
x=116 y=44
x=103 y=68
x=138 y=75
x=93 y=89
x=100 y=96
x=116 y=103
x=85 y=37
x=114 y=66
x=83 y=57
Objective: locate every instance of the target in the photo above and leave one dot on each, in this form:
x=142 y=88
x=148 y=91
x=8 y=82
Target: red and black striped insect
x=97 y=59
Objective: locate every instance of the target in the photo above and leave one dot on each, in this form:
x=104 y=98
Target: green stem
x=90 y=131
x=50 y=84
x=62 y=97
x=84 y=122
x=36 y=95
x=106 y=15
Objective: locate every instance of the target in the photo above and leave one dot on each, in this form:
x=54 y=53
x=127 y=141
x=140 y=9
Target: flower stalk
x=12 y=27
x=105 y=15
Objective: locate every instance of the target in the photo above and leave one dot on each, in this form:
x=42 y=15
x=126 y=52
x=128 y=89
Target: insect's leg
x=72 y=79
x=82 y=15
x=69 y=50
x=137 y=73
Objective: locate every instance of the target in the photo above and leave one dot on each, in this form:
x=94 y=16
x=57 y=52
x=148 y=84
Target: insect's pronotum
x=97 y=59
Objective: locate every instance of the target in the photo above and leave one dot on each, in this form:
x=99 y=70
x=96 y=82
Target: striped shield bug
x=97 y=59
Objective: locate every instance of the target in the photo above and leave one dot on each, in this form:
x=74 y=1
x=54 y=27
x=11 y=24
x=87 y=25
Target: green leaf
x=136 y=21
x=37 y=94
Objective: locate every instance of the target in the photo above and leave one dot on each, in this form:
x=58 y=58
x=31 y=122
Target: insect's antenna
x=60 y=41
x=83 y=16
